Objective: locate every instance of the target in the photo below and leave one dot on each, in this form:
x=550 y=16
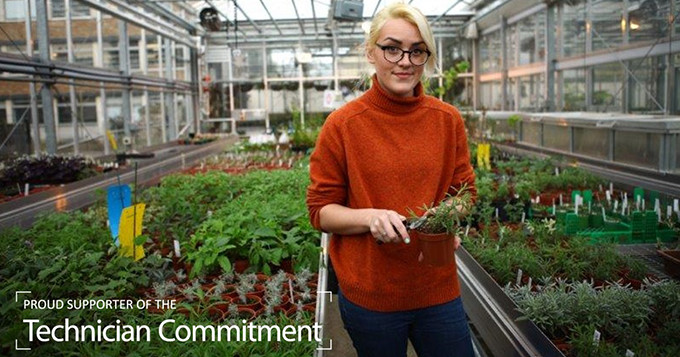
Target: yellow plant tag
x=484 y=156
x=131 y=217
x=112 y=140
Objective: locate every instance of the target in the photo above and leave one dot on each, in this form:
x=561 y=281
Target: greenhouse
x=340 y=178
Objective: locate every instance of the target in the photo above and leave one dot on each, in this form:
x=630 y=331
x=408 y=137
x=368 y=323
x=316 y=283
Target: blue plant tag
x=117 y=198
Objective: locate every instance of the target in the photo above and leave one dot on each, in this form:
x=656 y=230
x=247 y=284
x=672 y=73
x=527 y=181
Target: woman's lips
x=403 y=75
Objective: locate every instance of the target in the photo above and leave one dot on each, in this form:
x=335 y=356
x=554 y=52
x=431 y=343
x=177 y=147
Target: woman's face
x=399 y=78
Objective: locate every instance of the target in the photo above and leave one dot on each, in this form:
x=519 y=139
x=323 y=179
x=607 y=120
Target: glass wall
x=532 y=39
x=490 y=52
x=556 y=137
x=574 y=23
x=531 y=133
x=490 y=95
x=574 y=90
x=647 y=84
x=648 y=20
x=607 y=87
x=605 y=16
x=640 y=149
x=530 y=89
x=511 y=45
x=591 y=142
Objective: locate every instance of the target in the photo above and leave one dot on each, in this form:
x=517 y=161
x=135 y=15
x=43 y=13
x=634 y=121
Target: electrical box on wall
x=350 y=10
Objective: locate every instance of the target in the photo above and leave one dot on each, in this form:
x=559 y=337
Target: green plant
x=447 y=215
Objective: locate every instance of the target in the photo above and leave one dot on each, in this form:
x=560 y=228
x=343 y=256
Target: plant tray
x=671 y=261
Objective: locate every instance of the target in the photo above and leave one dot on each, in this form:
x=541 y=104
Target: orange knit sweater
x=386 y=152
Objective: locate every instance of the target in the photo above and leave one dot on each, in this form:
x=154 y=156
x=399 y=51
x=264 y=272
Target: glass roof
x=307 y=9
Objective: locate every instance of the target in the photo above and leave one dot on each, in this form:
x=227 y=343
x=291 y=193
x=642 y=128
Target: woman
x=391 y=150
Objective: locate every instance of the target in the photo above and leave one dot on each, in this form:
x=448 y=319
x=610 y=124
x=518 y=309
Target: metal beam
x=444 y=14
x=209 y=2
x=316 y=28
x=302 y=26
x=129 y=14
x=45 y=91
x=71 y=87
x=376 y=8
x=247 y=17
x=272 y=17
x=31 y=86
x=124 y=57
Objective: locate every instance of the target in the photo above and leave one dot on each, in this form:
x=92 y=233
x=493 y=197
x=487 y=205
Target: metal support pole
x=169 y=97
x=161 y=70
x=194 y=110
x=71 y=86
x=124 y=56
x=549 y=90
x=336 y=80
x=588 y=49
x=504 y=64
x=475 y=74
x=45 y=90
x=102 y=120
x=267 y=92
x=31 y=85
x=301 y=91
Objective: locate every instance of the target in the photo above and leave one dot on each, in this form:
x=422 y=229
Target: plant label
x=131 y=227
x=596 y=338
x=600 y=187
x=630 y=353
x=26 y=189
x=609 y=196
x=604 y=217
x=561 y=200
x=519 y=277
x=554 y=208
x=657 y=204
x=176 y=244
x=557 y=171
x=611 y=187
x=675 y=205
x=669 y=211
x=523 y=216
x=616 y=205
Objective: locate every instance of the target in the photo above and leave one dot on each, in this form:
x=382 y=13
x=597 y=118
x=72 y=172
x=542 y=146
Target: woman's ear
x=370 y=55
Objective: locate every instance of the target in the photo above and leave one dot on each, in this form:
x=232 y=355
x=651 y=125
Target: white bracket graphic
x=330 y=294
x=16 y=295
x=330 y=346
x=16 y=346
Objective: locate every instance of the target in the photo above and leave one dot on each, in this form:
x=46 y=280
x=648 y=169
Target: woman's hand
x=386 y=226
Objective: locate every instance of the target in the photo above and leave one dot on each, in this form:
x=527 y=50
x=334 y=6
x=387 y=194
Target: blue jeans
x=436 y=331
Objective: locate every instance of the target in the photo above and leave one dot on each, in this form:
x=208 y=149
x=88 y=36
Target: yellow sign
x=131 y=217
x=112 y=140
x=484 y=156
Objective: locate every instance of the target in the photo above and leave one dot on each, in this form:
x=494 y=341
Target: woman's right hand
x=387 y=226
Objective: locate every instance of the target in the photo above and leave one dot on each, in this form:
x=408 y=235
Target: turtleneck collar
x=377 y=96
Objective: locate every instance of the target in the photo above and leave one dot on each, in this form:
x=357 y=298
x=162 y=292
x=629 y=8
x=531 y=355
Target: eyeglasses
x=393 y=54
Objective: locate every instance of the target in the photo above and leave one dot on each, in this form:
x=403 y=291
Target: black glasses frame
x=403 y=52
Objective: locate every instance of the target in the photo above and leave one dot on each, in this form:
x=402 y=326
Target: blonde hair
x=411 y=14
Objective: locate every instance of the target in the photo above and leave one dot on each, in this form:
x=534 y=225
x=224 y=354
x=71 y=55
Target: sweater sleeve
x=327 y=172
x=463 y=174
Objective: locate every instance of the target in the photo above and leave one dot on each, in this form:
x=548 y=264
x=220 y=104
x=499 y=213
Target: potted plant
x=437 y=233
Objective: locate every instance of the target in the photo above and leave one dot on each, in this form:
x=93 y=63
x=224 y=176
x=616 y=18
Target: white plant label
x=26 y=189
x=496 y=213
x=675 y=205
x=467 y=230
x=176 y=244
x=657 y=204
x=669 y=211
x=290 y=162
x=523 y=216
x=630 y=353
x=611 y=187
x=280 y=162
x=616 y=205
x=600 y=187
x=609 y=196
x=519 y=277
x=554 y=208
x=561 y=200
x=557 y=171
x=658 y=213
x=596 y=337
x=604 y=217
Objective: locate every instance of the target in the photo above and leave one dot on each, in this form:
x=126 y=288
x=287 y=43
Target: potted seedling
x=436 y=231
